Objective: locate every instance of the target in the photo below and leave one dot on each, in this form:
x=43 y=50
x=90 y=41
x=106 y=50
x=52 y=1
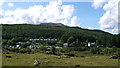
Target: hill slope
x=59 y=32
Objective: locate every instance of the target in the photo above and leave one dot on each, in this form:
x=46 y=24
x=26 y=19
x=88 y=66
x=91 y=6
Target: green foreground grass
x=53 y=60
x=0 y=57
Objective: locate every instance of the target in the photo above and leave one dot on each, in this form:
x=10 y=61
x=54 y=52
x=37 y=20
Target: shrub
x=72 y=55
x=25 y=50
x=114 y=48
x=118 y=52
x=53 y=50
x=43 y=48
x=95 y=50
x=107 y=51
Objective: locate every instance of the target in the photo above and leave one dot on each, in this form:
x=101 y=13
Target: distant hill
x=52 y=24
x=58 y=31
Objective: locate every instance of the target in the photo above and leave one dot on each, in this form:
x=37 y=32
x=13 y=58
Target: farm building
x=45 y=40
x=91 y=44
x=34 y=46
x=18 y=46
x=65 y=45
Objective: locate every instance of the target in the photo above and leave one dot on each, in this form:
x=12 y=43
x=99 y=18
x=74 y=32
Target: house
x=58 y=47
x=52 y=24
x=34 y=46
x=13 y=47
x=20 y=42
x=18 y=46
x=91 y=44
x=65 y=45
x=9 y=46
x=45 y=40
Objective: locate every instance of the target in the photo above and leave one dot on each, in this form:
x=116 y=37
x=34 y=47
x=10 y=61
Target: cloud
x=1 y=2
x=90 y=28
x=109 y=20
x=117 y=30
x=74 y=21
x=1 y=10
x=53 y=12
x=98 y=3
x=10 y=4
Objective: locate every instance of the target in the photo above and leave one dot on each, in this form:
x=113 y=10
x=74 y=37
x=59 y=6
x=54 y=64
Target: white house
x=58 y=47
x=65 y=45
x=47 y=40
x=33 y=46
x=17 y=46
x=9 y=46
x=91 y=44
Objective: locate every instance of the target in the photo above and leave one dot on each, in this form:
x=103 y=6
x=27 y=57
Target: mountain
x=58 y=31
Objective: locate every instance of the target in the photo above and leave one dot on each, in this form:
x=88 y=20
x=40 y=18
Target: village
x=41 y=54
x=54 y=41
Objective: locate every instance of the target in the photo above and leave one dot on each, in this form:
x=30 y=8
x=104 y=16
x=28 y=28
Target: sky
x=97 y=14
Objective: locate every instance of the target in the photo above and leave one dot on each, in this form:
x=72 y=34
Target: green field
x=0 y=57
x=53 y=60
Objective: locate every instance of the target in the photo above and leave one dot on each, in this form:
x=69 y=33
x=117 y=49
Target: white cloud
x=8 y=13
x=74 y=21
x=117 y=30
x=1 y=10
x=109 y=20
x=1 y=2
x=90 y=28
x=9 y=20
x=98 y=3
x=53 y=12
x=10 y=4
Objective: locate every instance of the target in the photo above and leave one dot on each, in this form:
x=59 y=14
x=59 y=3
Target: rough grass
x=0 y=57
x=53 y=60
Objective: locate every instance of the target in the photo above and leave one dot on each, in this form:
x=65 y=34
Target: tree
x=4 y=42
x=95 y=50
x=53 y=50
x=114 y=48
x=25 y=50
x=25 y=44
x=59 y=43
x=70 y=40
x=97 y=42
x=11 y=42
x=72 y=44
x=43 y=48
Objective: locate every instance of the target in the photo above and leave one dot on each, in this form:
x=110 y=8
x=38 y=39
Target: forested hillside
x=63 y=33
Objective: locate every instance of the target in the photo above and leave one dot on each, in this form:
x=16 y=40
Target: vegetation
x=53 y=60
x=77 y=53
x=75 y=36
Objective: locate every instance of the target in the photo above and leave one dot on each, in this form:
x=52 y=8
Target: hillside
x=59 y=32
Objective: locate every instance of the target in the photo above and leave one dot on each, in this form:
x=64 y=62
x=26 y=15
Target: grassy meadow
x=0 y=57
x=54 y=60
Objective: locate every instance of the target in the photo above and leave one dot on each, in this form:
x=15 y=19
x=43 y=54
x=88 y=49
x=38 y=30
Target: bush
x=118 y=52
x=63 y=50
x=114 y=48
x=95 y=50
x=80 y=48
x=43 y=48
x=72 y=55
x=53 y=50
x=107 y=51
x=25 y=50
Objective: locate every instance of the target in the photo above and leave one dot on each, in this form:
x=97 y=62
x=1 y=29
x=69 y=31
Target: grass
x=0 y=57
x=53 y=60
